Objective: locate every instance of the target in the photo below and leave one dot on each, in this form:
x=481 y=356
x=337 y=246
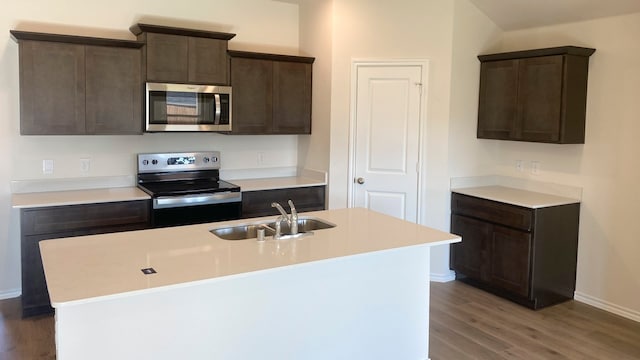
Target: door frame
x=355 y=65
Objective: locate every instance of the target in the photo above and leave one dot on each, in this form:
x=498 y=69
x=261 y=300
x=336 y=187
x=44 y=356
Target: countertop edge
x=76 y=197
x=545 y=200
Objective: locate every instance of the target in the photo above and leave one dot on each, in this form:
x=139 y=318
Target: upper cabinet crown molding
x=535 y=95
x=18 y=35
x=138 y=29
x=522 y=54
x=273 y=57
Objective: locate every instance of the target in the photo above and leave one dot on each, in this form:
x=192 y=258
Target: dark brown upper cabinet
x=534 y=95
x=271 y=93
x=72 y=85
x=178 y=55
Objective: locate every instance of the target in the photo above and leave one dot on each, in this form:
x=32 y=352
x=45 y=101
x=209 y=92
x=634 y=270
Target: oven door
x=196 y=209
x=184 y=107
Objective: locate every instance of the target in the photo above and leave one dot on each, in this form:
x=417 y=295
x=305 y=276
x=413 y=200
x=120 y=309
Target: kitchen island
x=357 y=290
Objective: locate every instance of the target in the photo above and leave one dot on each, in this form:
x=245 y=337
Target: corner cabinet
x=535 y=95
x=271 y=93
x=526 y=255
x=53 y=222
x=177 y=55
x=72 y=85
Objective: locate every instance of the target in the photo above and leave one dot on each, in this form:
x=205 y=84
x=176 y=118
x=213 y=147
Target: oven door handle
x=197 y=199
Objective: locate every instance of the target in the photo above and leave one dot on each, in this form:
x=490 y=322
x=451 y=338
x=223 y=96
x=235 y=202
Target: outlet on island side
x=260 y=158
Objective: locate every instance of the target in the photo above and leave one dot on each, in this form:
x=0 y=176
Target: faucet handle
x=294 y=218
x=293 y=208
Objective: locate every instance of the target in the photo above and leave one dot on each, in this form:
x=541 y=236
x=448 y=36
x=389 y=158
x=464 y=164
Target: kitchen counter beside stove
x=281 y=298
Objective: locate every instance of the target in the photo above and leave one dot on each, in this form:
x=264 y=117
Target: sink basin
x=241 y=232
x=250 y=231
x=305 y=224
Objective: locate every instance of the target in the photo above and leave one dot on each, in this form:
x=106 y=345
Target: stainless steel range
x=186 y=188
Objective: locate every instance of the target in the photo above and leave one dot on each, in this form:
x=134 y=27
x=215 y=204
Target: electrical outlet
x=85 y=165
x=519 y=166
x=535 y=167
x=260 y=159
x=47 y=167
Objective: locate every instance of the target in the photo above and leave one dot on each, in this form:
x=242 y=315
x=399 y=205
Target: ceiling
x=521 y=14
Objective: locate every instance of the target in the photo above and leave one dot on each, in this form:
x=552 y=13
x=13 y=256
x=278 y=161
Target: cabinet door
x=208 y=62
x=498 y=99
x=113 y=90
x=540 y=98
x=52 y=88
x=167 y=58
x=252 y=105
x=471 y=256
x=510 y=259
x=35 y=297
x=291 y=97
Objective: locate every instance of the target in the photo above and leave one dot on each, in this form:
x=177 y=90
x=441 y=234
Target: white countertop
x=89 y=268
x=75 y=197
x=524 y=198
x=88 y=196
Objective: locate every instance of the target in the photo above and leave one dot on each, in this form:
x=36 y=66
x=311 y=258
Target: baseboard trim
x=442 y=278
x=607 y=306
x=10 y=294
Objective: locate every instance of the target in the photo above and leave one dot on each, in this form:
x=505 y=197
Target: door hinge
x=419 y=85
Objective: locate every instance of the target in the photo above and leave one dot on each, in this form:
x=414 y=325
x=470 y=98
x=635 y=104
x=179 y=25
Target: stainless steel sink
x=250 y=231
x=241 y=232
x=305 y=224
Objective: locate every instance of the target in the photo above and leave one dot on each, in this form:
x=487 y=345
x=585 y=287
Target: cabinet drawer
x=492 y=211
x=81 y=217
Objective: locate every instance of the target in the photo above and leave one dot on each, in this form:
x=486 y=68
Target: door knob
x=360 y=180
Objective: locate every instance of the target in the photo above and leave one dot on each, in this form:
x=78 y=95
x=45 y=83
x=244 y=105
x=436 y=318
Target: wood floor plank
x=570 y=330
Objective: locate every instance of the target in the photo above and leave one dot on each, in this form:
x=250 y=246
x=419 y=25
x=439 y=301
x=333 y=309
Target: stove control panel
x=200 y=160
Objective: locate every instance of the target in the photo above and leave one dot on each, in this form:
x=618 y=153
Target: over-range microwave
x=187 y=107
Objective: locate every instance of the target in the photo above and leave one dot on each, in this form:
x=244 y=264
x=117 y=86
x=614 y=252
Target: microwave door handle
x=216 y=121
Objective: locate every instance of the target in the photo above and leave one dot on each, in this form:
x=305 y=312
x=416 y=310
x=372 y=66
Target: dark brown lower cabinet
x=66 y=221
x=258 y=203
x=526 y=255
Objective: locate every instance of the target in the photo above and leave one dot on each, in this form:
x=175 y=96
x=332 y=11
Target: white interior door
x=386 y=160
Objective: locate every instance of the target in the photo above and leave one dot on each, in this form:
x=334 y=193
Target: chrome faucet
x=291 y=220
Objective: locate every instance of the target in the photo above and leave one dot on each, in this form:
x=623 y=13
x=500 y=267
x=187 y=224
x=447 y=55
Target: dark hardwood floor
x=24 y=339
x=466 y=323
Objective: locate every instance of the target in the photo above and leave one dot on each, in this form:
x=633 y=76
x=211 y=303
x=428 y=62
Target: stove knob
x=214 y=159
x=145 y=162
x=154 y=162
x=205 y=159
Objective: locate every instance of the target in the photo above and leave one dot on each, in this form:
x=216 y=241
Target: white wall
x=473 y=34
x=316 y=27
x=253 y=22
x=411 y=29
x=605 y=166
